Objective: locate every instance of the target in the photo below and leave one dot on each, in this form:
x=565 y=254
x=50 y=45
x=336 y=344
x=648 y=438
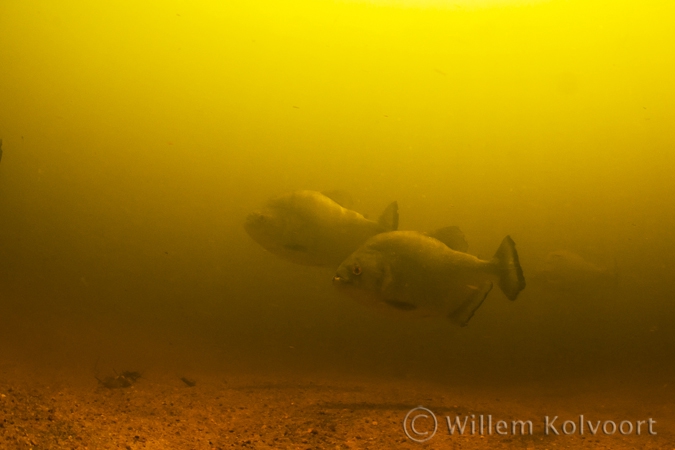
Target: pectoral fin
x=464 y=313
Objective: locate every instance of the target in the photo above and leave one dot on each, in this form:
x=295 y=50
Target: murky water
x=137 y=138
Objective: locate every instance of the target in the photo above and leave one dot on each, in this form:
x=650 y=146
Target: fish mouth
x=340 y=281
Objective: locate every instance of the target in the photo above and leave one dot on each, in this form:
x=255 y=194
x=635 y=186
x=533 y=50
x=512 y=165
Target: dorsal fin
x=452 y=237
x=342 y=198
x=389 y=218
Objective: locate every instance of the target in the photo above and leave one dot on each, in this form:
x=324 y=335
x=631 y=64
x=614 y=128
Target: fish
x=419 y=275
x=564 y=270
x=311 y=228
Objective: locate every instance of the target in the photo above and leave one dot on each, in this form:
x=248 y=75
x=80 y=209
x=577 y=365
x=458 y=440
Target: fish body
x=310 y=228
x=564 y=270
x=414 y=273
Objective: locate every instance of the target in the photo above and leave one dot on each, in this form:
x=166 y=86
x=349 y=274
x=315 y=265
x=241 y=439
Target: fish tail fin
x=511 y=280
x=389 y=218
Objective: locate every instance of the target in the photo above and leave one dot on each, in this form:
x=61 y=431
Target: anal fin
x=464 y=313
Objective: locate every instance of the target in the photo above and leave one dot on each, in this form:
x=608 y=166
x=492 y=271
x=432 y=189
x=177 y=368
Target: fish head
x=284 y=222
x=364 y=275
x=276 y=232
x=284 y=233
x=263 y=226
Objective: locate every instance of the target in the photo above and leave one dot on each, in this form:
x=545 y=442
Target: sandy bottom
x=160 y=411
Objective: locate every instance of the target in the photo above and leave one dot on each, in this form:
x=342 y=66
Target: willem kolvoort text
x=485 y=425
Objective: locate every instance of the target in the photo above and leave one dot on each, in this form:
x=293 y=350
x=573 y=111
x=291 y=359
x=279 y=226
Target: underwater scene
x=337 y=224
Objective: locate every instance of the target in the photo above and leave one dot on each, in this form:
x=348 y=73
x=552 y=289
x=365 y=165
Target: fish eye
x=356 y=270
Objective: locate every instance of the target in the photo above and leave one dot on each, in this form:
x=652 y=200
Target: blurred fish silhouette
x=312 y=228
x=564 y=270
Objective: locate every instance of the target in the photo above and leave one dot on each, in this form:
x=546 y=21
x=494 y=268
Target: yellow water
x=137 y=137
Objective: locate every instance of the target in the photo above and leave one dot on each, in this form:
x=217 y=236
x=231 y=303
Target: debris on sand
x=123 y=380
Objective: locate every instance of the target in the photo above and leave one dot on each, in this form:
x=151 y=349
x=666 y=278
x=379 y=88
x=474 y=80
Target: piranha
x=311 y=228
x=421 y=276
